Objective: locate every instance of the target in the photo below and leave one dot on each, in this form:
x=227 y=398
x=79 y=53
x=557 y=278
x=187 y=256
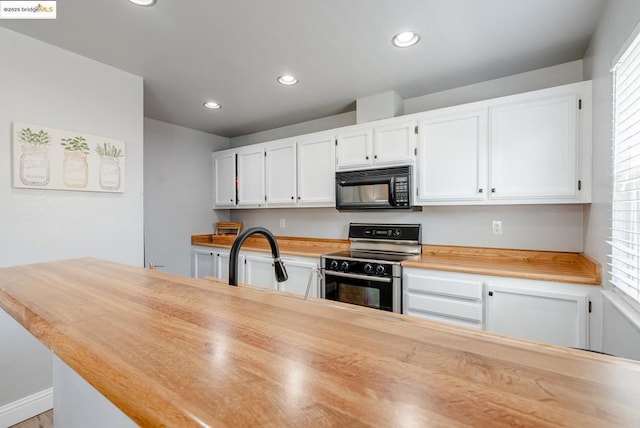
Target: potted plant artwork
x=109 y=166
x=75 y=170
x=34 y=161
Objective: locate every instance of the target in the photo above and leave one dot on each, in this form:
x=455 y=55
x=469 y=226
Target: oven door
x=363 y=290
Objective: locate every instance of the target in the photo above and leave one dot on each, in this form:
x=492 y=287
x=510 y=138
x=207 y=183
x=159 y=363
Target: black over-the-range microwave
x=371 y=189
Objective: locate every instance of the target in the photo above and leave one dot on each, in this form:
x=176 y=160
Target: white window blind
x=625 y=217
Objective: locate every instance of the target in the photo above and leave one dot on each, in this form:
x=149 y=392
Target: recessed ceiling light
x=212 y=105
x=405 y=39
x=143 y=2
x=287 y=79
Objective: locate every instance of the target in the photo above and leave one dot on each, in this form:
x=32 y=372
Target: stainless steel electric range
x=369 y=273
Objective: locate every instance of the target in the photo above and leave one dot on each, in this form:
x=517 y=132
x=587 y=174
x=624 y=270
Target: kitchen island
x=175 y=351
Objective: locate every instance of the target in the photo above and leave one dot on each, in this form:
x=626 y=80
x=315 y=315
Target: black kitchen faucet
x=281 y=272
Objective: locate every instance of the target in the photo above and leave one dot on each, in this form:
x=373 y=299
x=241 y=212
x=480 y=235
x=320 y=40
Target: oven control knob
x=368 y=268
x=344 y=266
x=397 y=233
x=379 y=269
x=333 y=264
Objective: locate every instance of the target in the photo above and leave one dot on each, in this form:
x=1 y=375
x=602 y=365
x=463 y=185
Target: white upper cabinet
x=385 y=143
x=280 y=170
x=224 y=179
x=316 y=170
x=251 y=176
x=531 y=148
x=394 y=142
x=354 y=148
x=452 y=155
x=534 y=147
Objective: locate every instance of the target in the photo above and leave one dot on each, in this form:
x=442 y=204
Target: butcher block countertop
x=528 y=264
x=294 y=246
x=175 y=351
x=540 y=265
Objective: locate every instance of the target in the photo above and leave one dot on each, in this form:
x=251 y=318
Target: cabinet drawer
x=458 y=288
x=446 y=319
x=456 y=309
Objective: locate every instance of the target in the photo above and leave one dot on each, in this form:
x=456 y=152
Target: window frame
x=624 y=275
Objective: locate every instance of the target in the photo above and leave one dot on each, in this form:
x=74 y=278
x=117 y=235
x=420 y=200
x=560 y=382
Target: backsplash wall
x=537 y=227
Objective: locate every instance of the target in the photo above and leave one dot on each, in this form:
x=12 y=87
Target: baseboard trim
x=25 y=408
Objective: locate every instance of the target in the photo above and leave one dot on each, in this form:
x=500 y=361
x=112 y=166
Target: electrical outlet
x=496 y=227
x=282 y=223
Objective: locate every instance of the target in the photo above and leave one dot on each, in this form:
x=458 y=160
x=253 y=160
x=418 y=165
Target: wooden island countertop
x=175 y=351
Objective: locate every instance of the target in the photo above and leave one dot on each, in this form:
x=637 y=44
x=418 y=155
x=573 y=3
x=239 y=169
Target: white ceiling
x=231 y=51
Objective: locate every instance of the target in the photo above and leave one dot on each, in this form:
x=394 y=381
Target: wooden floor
x=43 y=420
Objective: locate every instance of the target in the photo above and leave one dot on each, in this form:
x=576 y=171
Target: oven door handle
x=356 y=276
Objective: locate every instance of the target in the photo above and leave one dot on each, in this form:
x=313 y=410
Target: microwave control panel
x=401 y=190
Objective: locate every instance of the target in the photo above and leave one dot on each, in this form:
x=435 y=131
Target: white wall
x=548 y=77
x=561 y=74
x=45 y=85
x=330 y=122
x=178 y=192
x=619 y=19
x=540 y=227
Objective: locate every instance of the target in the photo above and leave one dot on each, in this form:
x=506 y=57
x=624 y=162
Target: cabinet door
x=558 y=318
x=353 y=149
x=259 y=271
x=280 y=173
x=222 y=266
x=316 y=171
x=300 y=273
x=394 y=143
x=202 y=263
x=251 y=176
x=224 y=179
x=452 y=156
x=533 y=148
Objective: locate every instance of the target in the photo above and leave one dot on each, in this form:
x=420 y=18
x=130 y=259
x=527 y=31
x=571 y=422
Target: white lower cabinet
x=558 y=317
x=548 y=312
x=203 y=262
x=259 y=270
x=214 y=262
x=301 y=270
x=444 y=296
x=222 y=265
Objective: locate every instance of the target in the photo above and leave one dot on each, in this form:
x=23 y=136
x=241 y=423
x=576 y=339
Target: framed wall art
x=50 y=158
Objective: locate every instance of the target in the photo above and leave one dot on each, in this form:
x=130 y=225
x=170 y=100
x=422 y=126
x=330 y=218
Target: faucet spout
x=280 y=271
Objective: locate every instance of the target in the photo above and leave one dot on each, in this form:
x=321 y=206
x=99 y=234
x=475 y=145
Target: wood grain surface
x=175 y=351
x=528 y=264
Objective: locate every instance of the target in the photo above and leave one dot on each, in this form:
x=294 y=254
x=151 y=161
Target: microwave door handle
x=392 y=191
x=362 y=182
